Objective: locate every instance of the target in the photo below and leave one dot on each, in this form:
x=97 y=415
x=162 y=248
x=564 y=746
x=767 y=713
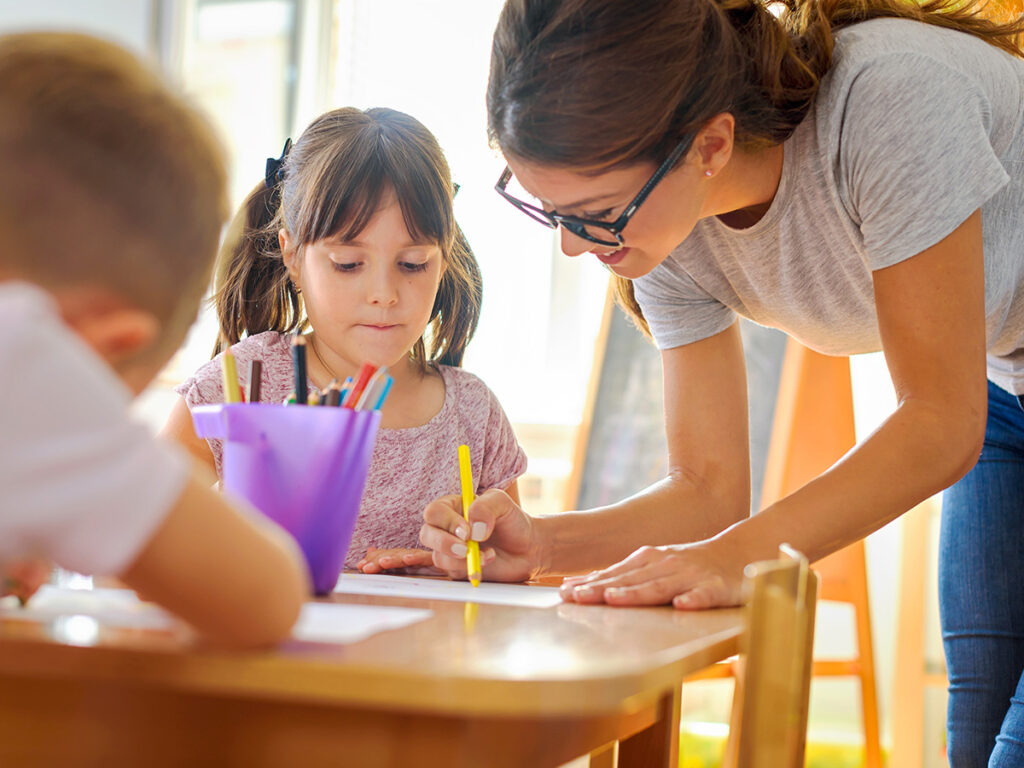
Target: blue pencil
x=383 y=393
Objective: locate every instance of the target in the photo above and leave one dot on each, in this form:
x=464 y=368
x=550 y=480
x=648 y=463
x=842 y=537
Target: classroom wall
x=128 y=22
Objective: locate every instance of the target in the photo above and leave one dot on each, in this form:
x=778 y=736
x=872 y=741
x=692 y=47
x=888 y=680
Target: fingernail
x=614 y=592
x=585 y=591
x=459 y=550
x=683 y=600
x=462 y=533
x=479 y=531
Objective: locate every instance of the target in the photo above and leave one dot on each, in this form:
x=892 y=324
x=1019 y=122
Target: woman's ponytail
x=252 y=292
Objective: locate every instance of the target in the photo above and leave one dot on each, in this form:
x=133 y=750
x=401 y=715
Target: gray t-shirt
x=914 y=128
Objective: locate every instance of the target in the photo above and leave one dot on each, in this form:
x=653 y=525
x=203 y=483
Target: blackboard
x=622 y=447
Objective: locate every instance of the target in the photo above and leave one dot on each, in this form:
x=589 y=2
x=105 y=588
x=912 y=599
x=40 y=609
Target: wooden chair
x=769 y=722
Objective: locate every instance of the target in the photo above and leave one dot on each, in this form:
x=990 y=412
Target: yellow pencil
x=466 y=475
x=232 y=392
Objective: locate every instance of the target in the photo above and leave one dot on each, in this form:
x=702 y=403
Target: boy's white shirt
x=81 y=482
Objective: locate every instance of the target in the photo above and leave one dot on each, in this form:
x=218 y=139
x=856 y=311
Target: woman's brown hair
x=330 y=184
x=598 y=84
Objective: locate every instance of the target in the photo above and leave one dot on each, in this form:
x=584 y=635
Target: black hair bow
x=275 y=167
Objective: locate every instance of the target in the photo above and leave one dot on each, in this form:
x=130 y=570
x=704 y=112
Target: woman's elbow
x=962 y=436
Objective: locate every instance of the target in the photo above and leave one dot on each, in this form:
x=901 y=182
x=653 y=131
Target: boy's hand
x=508 y=550
x=409 y=561
x=23 y=578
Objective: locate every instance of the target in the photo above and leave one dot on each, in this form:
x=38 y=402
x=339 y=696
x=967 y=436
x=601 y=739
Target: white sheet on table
x=488 y=593
x=318 y=622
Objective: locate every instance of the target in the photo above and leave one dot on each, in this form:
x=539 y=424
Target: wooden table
x=511 y=687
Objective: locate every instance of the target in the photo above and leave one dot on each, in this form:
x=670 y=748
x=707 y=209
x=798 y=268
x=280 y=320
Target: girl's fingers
x=418 y=557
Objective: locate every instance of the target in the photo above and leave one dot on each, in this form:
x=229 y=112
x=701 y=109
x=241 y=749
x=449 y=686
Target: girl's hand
x=23 y=578
x=508 y=548
x=705 y=574
x=410 y=561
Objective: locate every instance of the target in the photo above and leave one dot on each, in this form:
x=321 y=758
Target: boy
x=111 y=206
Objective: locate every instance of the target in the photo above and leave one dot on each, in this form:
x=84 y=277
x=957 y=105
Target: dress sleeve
x=206 y=387
x=503 y=458
x=915 y=154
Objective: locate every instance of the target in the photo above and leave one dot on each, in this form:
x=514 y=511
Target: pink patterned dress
x=410 y=467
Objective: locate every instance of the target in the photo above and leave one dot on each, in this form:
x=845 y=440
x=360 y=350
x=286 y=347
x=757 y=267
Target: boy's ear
x=116 y=334
x=288 y=251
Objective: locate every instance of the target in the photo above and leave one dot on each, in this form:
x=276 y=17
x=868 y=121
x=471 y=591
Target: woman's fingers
x=713 y=593
x=584 y=585
x=691 y=577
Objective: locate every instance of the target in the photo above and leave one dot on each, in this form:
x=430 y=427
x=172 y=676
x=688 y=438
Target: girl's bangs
x=354 y=195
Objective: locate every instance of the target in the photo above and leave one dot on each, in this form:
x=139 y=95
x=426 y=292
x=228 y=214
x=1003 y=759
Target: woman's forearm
x=917 y=452
x=671 y=511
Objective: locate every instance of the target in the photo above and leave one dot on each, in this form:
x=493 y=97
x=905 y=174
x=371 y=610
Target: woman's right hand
x=507 y=536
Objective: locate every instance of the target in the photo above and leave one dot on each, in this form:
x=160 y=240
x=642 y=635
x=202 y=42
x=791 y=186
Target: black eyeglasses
x=580 y=226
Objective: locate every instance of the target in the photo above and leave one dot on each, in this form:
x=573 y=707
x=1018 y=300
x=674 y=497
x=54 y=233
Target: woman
x=852 y=179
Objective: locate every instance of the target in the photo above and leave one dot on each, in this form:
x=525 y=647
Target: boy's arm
x=179 y=429
x=235 y=577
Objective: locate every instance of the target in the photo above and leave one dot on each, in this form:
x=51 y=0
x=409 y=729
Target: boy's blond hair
x=108 y=178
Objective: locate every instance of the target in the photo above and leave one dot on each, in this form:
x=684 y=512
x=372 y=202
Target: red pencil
x=365 y=372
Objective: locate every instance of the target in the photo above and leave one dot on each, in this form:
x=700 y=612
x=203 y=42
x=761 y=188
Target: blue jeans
x=981 y=596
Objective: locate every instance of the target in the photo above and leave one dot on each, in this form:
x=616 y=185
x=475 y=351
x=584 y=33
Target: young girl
x=352 y=241
x=849 y=171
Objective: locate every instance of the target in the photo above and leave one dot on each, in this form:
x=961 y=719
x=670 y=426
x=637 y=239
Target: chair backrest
x=777 y=662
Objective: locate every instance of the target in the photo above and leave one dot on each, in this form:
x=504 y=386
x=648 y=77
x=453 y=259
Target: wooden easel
x=813 y=428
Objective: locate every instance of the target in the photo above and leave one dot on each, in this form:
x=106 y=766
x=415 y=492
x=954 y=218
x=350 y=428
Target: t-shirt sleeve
x=677 y=310
x=915 y=154
x=83 y=483
x=503 y=459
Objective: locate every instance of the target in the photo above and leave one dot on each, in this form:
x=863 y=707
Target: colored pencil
x=299 y=364
x=333 y=393
x=232 y=392
x=362 y=379
x=473 y=569
x=384 y=393
x=255 y=377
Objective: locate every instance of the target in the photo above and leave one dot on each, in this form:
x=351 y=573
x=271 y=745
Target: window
x=264 y=68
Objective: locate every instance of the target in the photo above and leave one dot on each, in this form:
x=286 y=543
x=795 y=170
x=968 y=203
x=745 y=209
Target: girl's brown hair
x=333 y=180
x=598 y=84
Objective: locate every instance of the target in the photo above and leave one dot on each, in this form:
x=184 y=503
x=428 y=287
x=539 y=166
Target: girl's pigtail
x=457 y=305
x=252 y=291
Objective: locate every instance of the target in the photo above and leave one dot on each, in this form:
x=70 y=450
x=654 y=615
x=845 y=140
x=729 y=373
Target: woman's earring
x=708 y=172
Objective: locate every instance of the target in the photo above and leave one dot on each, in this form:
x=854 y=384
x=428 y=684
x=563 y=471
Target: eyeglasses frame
x=577 y=224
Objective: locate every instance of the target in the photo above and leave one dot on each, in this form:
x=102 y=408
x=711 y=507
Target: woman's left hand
x=408 y=561
x=690 y=576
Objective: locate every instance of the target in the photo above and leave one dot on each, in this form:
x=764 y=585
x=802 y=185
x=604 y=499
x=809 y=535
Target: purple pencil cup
x=303 y=467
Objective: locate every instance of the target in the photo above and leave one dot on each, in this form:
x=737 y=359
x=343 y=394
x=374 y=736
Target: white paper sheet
x=488 y=593
x=318 y=622
x=337 y=623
